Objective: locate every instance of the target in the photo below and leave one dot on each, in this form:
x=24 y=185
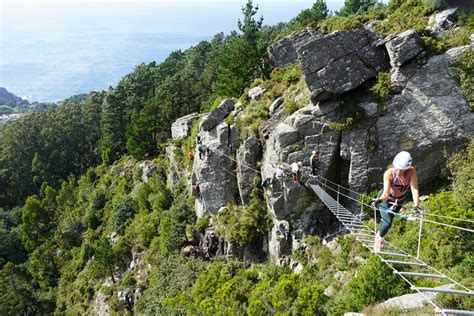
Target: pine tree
x=240 y=61
x=318 y=12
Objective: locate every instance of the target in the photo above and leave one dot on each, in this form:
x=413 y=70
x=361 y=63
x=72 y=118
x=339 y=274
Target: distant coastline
x=72 y=49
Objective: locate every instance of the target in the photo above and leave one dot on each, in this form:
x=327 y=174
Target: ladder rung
x=363 y=235
x=424 y=275
x=365 y=240
x=405 y=262
x=440 y=290
x=457 y=312
x=394 y=254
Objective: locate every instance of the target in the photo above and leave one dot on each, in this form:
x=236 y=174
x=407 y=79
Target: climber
x=197 y=190
x=266 y=184
x=280 y=175
x=191 y=155
x=201 y=150
x=313 y=160
x=296 y=170
x=398 y=177
x=198 y=140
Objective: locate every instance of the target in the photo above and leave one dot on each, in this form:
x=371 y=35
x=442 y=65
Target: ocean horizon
x=51 y=51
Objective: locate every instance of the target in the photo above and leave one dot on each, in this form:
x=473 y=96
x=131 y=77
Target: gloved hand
x=417 y=209
x=376 y=203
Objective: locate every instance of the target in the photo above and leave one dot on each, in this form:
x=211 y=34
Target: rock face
x=247 y=166
x=182 y=126
x=211 y=120
x=341 y=61
x=427 y=115
x=443 y=21
x=409 y=301
x=403 y=47
x=283 y=53
x=215 y=171
x=148 y=170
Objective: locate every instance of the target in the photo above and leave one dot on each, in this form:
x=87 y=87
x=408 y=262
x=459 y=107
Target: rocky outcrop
x=276 y=108
x=428 y=117
x=248 y=156
x=341 y=61
x=284 y=52
x=215 y=171
x=211 y=120
x=410 y=301
x=148 y=170
x=256 y=93
x=403 y=47
x=182 y=126
x=442 y=21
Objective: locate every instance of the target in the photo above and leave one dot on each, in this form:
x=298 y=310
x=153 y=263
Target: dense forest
x=74 y=209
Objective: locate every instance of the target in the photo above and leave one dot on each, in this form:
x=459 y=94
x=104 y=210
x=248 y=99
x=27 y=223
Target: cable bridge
x=407 y=266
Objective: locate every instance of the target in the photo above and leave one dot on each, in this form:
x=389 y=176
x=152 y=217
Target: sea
x=51 y=49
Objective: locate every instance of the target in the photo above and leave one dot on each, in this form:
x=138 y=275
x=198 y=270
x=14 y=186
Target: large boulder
x=256 y=93
x=283 y=53
x=410 y=301
x=211 y=120
x=182 y=126
x=341 y=61
x=442 y=21
x=403 y=47
x=248 y=156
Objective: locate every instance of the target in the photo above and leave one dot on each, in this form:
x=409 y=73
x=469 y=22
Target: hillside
x=103 y=211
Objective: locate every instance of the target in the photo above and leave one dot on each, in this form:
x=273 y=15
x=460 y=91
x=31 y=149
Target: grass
x=463 y=70
x=287 y=82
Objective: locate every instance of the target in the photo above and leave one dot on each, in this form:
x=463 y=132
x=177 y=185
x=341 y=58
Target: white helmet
x=314 y=152
x=402 y=161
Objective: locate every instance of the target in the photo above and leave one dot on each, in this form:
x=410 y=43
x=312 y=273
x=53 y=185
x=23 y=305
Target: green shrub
x=351 y=114
x=404 y=15
x=242 y=224
x=461 y=166
x=433 y=46
x=173 y=223
x=434 y=5
x=383 y=86
x=338 y=23
x=202 y=223
x=291 y=106
x=374 y=283
x=121 y=212
x=464 y=71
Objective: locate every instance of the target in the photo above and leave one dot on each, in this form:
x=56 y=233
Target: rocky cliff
x=426 y=114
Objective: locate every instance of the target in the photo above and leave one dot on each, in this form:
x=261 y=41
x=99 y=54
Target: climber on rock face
x=191 y=155
x=266 y=184
x=280 y=175
x=398 y=177
x=313 y=160
x=201 y=150
x=296 y=170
